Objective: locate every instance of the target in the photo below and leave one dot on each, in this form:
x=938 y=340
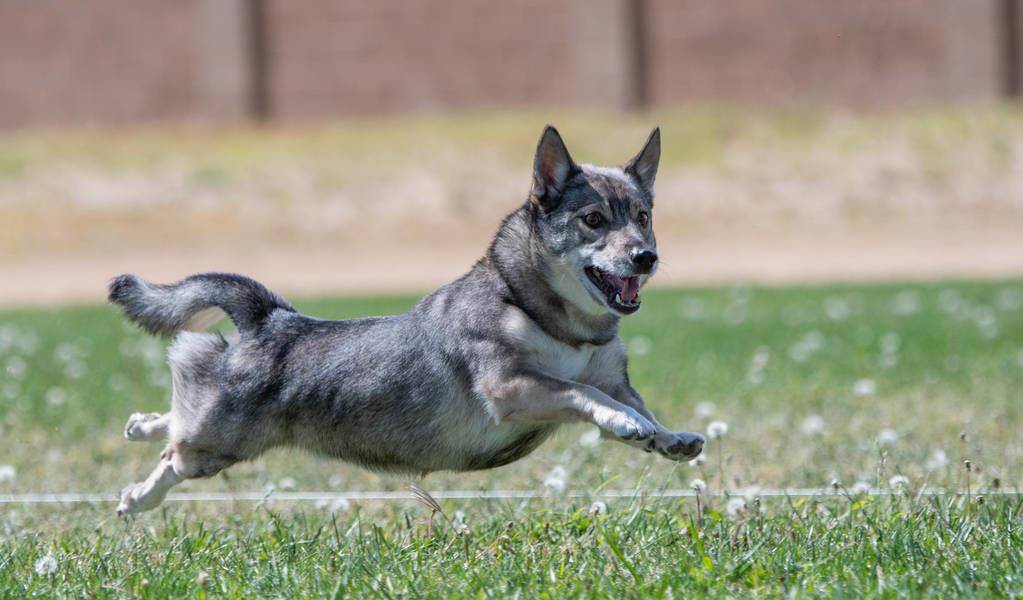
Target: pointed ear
x=552 y=169
x=644 y=166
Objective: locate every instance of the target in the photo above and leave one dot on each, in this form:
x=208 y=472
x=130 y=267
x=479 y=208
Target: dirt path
x=775 y=256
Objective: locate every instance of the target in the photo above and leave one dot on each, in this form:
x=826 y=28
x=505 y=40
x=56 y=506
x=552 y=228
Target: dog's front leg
x=682 y=445
x=534 y=397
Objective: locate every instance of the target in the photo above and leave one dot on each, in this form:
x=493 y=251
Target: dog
x=475 y=376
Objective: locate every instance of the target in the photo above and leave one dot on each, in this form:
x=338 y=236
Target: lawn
x=887 y=386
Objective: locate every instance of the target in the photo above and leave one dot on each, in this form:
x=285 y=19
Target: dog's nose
x=644 y=259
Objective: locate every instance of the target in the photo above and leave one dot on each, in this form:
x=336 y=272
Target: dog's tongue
x=630 y=288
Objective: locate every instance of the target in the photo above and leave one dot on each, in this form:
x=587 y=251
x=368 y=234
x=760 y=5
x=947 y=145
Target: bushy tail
x=167 y=309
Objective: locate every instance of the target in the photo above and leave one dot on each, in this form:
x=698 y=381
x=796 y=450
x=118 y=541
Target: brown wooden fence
x=110 y=61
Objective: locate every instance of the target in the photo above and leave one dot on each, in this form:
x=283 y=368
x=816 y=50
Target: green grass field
x=857 y=385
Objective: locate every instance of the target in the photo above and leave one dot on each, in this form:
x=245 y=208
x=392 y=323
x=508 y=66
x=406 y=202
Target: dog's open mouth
x=621 y=293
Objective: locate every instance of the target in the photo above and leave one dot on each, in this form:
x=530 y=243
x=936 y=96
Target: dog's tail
x=167 y=309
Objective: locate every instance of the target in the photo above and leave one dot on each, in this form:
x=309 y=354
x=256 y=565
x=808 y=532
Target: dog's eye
x=643 y=218
x=593 y=220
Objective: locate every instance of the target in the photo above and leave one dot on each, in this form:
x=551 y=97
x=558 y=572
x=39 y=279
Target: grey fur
x=476 y=375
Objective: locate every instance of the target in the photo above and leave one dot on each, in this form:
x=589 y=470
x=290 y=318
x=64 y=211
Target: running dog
x=475 y=376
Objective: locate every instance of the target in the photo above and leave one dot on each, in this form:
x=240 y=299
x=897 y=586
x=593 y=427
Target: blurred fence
x=110 y=61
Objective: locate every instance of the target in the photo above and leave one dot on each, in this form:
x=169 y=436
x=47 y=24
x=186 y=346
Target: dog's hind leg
x=148 y=494
x=147 y=427
x=177 y=463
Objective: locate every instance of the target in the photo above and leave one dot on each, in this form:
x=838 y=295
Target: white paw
x=133 y=500
x=135 y=429
x=628 y=425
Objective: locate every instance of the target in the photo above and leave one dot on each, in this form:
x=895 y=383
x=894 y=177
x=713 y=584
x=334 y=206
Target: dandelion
x=46 y=566
x=598 y=508
x=1009 y=299
x=590 y=439
x=836 y=308
x=640 y=345
x=16 y=367
x=860 y=487
x=7 y=474
x=705 y=410
x=287 y=483
x=555 y=480
x=836 y=484
x=906 y=303
x=735 y=506
x=898 y=481
x=865 y=387
x=691 y=308
x=937 y=460
x=56 y=396
x=813 y=424
x=717 y=430
x=887 y=437
x=890 y=342
x=699 y=460
x=699 y=485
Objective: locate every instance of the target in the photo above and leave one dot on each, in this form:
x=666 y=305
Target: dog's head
x=596 y=225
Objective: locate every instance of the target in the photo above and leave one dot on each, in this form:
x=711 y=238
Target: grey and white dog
x=477 y=375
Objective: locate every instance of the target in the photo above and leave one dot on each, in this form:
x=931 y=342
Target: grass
x=856 y=384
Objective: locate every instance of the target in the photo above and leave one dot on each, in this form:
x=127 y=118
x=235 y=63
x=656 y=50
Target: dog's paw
x=135 y=430
x=679 y=446
x=629 y=426
x=134 y=500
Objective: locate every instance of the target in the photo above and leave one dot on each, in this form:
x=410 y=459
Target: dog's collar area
x=620 y=293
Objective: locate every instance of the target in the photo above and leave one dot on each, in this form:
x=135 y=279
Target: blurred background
x=360 y=146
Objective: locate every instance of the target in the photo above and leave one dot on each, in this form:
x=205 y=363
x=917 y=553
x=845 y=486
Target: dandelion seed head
x=8 y=473
x=287 y=483
x=906 y=303
x=717 y=429
x=699 y=460
x=898 y=481
x=590 y=438
x=16 y=367
x=556 y=480
x=865 y=387
x=860 y=487
x=937 y=460
x=705 y=409
x=813 y=424
x=46 y=566
x=598 y=508
x=640 y=345
x=735 y=506
x=887 y=437
x=699 y=485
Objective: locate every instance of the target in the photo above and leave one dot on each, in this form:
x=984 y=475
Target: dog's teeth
x=618 y=298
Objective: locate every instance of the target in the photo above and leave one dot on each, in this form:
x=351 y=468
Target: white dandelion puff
x=898 y=481
x=8 y=474
x=555 y=480
x=887 y=437
x=836 y=308
x=16 y=367
x=56 y=396
x=937 y=460
x=699 y=460
x=860 y=487
x=699 y=485
x=46 y=566
x=705 y=410
x=906 y=303
x=717 y=430
x=590 y=438
x=865 y=387
x=598 y=508
x=813 y=424
x=640 y=345
x=287 y=483
x=735 y=506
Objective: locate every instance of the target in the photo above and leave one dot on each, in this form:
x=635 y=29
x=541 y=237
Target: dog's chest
x=543 y=351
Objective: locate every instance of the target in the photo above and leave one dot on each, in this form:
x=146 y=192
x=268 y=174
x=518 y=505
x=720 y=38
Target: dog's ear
x=644 y=165
x=552 y=168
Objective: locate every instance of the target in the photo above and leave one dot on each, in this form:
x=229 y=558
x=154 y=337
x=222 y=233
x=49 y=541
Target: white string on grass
x=386 y=496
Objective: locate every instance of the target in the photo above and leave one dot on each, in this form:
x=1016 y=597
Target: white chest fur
x=544 y=352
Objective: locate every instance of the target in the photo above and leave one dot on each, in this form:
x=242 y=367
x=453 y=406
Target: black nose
x=644 y=258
